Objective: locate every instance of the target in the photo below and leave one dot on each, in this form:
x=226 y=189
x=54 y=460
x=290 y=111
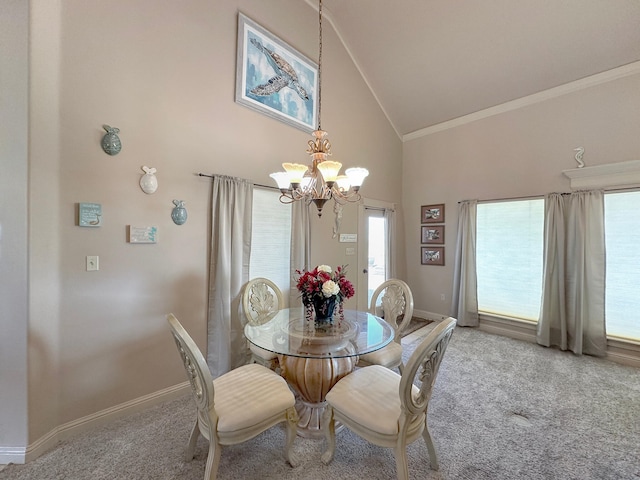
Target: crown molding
x=583 y=83
x=575 y=86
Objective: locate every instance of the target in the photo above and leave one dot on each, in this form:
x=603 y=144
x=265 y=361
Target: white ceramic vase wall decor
x=148 y=181
x=111 y=143
x=179 y=213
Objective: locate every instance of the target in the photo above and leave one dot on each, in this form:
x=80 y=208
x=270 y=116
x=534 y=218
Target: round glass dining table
x=314 y=356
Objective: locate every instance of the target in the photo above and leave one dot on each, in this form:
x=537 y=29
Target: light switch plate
x=93 y=263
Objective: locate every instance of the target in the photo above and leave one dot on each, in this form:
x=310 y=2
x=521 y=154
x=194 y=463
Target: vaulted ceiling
x=430 y=61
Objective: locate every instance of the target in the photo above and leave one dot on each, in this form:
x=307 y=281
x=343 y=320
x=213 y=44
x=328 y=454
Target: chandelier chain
x=320 y=68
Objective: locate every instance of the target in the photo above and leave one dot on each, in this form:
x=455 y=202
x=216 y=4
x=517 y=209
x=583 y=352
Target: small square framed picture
x=432 y=234
x=432 y=255
x=432 y=213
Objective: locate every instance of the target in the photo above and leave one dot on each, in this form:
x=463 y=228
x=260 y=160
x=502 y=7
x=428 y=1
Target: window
x=270 y=239
x=622 y=237
x=509 y=249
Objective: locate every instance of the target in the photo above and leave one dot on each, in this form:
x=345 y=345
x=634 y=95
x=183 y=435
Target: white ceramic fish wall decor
x=148 y=181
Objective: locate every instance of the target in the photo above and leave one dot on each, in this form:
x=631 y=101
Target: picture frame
x=89 y=215
x=432 y=234
x=274 y=78
x=432 y=255
x=432 y=213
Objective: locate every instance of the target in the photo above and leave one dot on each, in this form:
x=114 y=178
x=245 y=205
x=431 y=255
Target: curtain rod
x=255 y=184
x=542 y=196
x=504 y=199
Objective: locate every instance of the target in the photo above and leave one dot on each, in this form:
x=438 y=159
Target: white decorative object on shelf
x=578 y=156
x=148 y=181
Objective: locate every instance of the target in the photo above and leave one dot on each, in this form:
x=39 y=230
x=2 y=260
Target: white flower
x=324 y=268
x=330 y=288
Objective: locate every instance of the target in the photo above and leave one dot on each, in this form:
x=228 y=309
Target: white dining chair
x=261 y=301
x=236 y=406
x=388 y=409
x=394 y=301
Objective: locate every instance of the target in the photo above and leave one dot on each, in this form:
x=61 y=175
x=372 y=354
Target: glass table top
x=289 y=333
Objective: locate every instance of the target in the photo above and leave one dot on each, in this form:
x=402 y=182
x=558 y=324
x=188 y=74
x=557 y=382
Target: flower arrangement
x=323 y=282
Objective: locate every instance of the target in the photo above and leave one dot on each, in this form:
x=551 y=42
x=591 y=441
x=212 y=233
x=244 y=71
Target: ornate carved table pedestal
x=314 y=357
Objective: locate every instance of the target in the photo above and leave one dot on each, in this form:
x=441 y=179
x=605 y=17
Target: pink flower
x=310 y=283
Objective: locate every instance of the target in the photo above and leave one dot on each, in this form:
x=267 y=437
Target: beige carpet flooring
x=501 y=409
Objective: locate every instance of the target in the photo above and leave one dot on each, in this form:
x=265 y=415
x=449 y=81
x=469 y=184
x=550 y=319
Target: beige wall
x=14 y=42
x=517 y=153
x=164 y=74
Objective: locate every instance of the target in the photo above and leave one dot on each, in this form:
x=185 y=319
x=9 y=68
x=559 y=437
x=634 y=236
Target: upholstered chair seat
x=386 y=408
x=374 y=410
x=265 y=357
x=389 y=357
x=394 y=300
x=236 y=406
x=239 y=411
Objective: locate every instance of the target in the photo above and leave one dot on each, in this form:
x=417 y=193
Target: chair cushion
x=249 y=394
x=389 y=356
x=370 y=397
x=261 y=352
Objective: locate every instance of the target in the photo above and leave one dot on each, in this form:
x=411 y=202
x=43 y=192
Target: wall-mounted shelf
x=612 y=175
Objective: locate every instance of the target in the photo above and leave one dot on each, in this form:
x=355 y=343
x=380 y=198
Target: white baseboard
x=88 y=422
x=525 y=331
x=12 y=455
x=625 y=353
x=429 y=315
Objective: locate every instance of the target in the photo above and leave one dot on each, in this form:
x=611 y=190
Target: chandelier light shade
x=320 y=181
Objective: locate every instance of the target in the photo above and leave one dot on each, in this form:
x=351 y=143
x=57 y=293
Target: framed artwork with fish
x=275 y=79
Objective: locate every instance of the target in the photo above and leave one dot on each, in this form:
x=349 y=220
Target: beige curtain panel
x=231 y=209
x=572 y=314
x=464 y=301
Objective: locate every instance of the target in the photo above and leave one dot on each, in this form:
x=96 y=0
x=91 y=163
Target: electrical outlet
x=442 y=297
x=93 y=263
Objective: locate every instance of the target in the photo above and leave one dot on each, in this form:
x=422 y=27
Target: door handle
x=364 y=270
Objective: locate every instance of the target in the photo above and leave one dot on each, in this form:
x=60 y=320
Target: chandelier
x=320 y=181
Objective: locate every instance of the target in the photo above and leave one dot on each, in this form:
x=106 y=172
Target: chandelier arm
x=349 y=196
x=286 y=198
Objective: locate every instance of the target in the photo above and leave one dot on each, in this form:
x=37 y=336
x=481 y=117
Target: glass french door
x=374 y=261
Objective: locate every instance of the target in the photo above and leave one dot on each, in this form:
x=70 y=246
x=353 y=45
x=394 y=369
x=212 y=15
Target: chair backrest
x=261 y=300
x=396 y=300
x=423 y=366
x=194 y=364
